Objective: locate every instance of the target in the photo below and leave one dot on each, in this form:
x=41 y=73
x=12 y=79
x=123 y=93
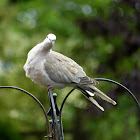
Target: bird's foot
x=49 y=87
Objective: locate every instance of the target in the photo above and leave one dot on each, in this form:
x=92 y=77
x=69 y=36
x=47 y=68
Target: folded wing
x=62 y=69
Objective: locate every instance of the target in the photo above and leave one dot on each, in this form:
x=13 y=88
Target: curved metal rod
x=28 y=93
x=60 y=115
x=98 y=79
x=111 y=81
x=65 y=99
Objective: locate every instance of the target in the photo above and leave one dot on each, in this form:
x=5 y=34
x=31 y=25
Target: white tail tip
x=96 y=103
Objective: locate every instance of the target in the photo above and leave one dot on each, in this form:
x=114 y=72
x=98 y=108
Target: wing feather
x=62 y=69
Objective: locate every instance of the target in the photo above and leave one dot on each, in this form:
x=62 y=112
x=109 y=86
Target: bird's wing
x=62 y=69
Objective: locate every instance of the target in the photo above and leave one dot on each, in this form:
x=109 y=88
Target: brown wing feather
x=62 y=69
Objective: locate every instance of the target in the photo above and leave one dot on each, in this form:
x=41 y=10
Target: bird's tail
x=89 y=93
x=101 y=94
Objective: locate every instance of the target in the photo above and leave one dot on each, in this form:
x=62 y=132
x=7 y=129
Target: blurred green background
x=103 y=36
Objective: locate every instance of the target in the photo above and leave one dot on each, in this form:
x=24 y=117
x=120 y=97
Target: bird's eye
x=49 y=38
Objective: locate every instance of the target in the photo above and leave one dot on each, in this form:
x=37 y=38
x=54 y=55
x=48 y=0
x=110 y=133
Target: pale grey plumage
x=49 y=68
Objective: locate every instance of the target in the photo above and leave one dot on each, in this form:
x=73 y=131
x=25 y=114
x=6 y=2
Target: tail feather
x=102 y=95
x=96 y=103
x=89 y=95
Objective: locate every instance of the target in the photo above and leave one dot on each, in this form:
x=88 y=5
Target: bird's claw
x=49 y=87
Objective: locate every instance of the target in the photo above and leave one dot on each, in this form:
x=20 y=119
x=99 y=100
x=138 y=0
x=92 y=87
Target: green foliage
x=117 y=126
x=101 y=35
x=7 y=132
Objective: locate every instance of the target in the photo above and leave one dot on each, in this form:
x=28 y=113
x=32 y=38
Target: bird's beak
x=49 y=39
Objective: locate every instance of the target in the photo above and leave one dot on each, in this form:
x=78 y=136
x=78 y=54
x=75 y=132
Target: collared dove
x=52 y=69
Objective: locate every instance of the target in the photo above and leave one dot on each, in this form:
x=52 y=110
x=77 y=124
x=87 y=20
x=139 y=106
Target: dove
x=54 y=70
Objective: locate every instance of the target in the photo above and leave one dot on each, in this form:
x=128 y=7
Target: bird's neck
x=46 y=45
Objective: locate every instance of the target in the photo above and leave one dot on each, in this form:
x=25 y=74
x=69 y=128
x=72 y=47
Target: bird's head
x=49 y=41
x=51 y=38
